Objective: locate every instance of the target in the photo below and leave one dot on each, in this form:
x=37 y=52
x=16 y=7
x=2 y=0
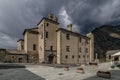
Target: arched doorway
x=20 y=60
x=51 y=58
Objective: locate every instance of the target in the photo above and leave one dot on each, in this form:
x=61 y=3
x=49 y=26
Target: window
x=51 y=48
x=22 y=47
x=41 y=33
x=73 y=56
x=79 y=56
x=47 y=24
x=68 y=36
x=66 y=56
x=86 y=41
x=87 y=56
x=34 y=47
x=13 y=56
x=46 y=34
x=83 y=56
x=80 y=49
x=86 y=50
x=109 y=56
x=80 y=39
x=67 y=48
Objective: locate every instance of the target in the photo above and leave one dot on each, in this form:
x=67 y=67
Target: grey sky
x=85 y=15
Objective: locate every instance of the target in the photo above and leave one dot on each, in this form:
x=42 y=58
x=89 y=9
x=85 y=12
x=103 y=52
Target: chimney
x=50 y=16
x=69 y=27
x=55 y=19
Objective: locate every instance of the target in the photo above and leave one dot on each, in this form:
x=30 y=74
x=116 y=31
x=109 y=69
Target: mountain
x=106 y=38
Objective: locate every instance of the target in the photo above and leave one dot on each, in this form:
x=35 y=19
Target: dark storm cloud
x=16 y=15
x=91 y=13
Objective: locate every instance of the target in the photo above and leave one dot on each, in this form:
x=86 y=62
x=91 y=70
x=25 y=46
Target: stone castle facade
x=47 y=43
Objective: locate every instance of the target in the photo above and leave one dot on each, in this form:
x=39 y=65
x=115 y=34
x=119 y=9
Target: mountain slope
x=106 y=38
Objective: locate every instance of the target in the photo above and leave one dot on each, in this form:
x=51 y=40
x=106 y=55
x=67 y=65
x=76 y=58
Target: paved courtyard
x=40 y=72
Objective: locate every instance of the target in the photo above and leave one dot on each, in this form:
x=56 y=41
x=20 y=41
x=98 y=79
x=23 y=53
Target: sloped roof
x=20 y=40
x=110 y=52
x=44 y=18
x=116 y=54
x=72 y=32
x=32 y=30
x=15 y=52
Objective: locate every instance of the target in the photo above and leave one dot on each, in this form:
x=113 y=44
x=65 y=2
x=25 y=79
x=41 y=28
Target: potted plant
x=112 y=66
x=118 y=66
x=104 y=74
x=66 y=68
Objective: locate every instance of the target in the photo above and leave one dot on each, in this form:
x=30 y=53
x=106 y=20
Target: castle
x=47 y=43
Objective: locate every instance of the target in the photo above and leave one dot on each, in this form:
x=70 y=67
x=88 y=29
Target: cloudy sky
x=85 y=15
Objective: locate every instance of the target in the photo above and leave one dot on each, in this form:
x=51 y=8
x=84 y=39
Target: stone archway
x=20 y=60
x=51 y=58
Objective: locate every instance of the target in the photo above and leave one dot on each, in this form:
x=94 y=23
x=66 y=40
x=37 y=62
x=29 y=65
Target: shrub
x=112 y=66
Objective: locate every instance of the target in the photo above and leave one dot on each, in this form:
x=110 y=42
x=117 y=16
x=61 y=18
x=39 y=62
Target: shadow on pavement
x=18 y=74
x=10 y=66
x=115 y=75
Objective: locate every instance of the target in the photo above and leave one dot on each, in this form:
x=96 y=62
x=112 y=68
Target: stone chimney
x=69 y=27
x=55 y=19
x=52 y=17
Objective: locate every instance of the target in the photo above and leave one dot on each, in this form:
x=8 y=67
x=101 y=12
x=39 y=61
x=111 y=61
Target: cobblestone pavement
x=38 y=72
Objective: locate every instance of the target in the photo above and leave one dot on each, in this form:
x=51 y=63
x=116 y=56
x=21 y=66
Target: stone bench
x=104 y=74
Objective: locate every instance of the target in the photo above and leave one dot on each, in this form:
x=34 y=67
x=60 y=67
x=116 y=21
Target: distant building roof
x=110 y=52
x=72 y=32
x=116 y=54
x=2 y=49
x=15 y=52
